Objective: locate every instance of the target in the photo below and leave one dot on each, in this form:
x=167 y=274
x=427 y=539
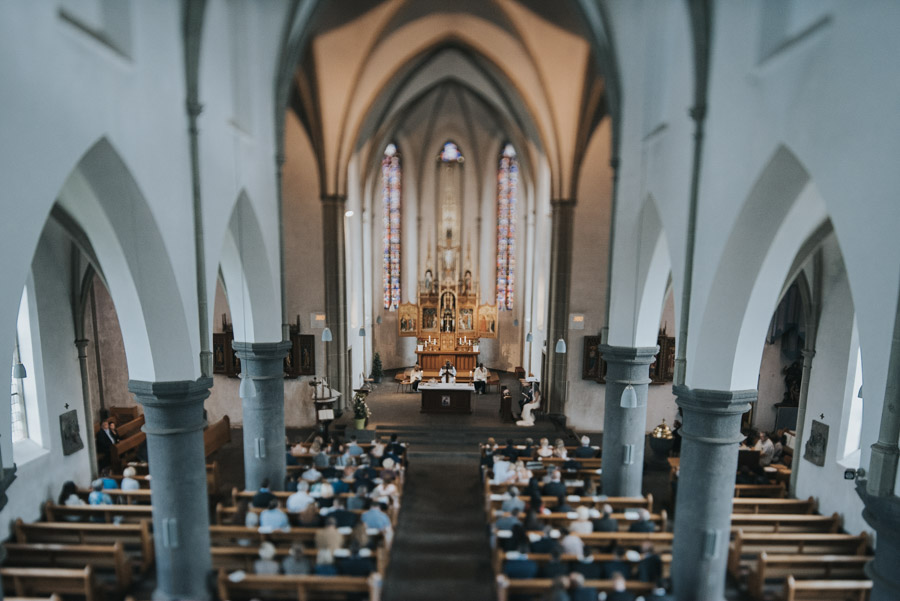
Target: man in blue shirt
x=376 y=517
x=274 y=518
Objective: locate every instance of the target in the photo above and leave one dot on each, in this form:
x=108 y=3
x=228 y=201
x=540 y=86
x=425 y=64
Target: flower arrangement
x=360 y=407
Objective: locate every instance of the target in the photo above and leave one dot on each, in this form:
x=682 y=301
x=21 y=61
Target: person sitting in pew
x=583 y=524
x=526 y=452
x=649 y=568
x=128 y=480
x=532 y=521
x=520 y=566
x=321 y=460
x=312 y=474
x=585 y=451
x=570 y=543
x=355 y=564
x=510 y=451
x=555 y=487
x=108 y=481
x=396 y=448
x=274 y=518
x=545 y=544
x=296 y=563
x=545 y=450
x=343 y=517
x=555 y=567
x=578 y=591
x=68 y=496
x=328 y=540
x=301 y=499
x=376 y=517
x=559 y=449
x=508 y=520
x=513 y=502
x=588 y=568
x=97 y=496
x=360 y=534
x=620 y=591
x=386 y=492
x=246 y=518
x=589 y=488
x=360 y=500
x=310 y=517
x=263 y=497
x=606 y=523
x=644 y=523
x=266 y=563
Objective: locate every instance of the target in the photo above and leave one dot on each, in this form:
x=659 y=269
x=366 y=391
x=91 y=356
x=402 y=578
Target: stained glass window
x=390 y=197
x=451 y=153
x=507 y=193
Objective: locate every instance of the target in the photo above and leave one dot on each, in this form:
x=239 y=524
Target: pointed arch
x=247 y=277
x=656 y=267
x=103 y=198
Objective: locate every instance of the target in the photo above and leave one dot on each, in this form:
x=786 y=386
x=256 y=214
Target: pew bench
x=538 y=587
x=597 y=557
x=785 y=522
x=213 y=476
x=129 y=497
x=31 y=582
x=625 y=520
x=110 y=557
x=763 y=505
x=98 y=513
x=241 y=558
x=802 y=567
x=82 y=533
x=662 y=541
x=495 y=500
x=224 y=515
x=297 y=587
x=776 y=491
x=826 y=590
x=746 y=546
x=232 y=535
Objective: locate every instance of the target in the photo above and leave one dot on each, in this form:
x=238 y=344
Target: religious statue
x=467 y=283
x=428 y=280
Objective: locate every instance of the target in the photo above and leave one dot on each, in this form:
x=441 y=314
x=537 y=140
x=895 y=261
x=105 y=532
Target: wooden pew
x=826 y=590
x=130 y=497
x=242 y=558
x=597 y=557
x=130 y=428
x=617 y=503
x=507 y=587
x=230 y=535
x=785 y=522
x=562 y=519
x=216 y=436
x=763 y=505
x=747 y=545
x=50 y=598
x=802 y=567
x=73 y=556
x=297 y=587
x=30 y=582
x=777 y=491
x=224 y=514
x=662 y=541
x=124 y=450
x=106 y=513
x=213 y=476
x=78 y=533
x=125 y=414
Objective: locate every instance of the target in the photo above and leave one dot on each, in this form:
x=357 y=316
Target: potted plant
x=377 y=369
x=360 y=410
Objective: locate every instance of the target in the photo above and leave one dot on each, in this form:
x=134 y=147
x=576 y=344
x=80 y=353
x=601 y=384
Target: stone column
x=174 y=426
x=808 y=355
x=624 y=428
x=554 y=386
x=264 y=457
x=333 y=208
x=883 y=514
x=711 y=433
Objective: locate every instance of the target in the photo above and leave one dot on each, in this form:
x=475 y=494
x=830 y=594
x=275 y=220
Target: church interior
x=408 y=299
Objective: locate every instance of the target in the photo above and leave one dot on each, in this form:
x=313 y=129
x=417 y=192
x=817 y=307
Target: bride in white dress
x=527 y=417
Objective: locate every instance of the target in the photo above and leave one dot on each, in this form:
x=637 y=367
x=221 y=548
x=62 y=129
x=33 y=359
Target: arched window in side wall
x=17 y=400
x=391 y=175
x=855 y=417
x=507 y=197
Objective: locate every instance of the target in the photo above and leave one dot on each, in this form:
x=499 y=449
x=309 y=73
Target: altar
x=464 y=361
x=442 y=397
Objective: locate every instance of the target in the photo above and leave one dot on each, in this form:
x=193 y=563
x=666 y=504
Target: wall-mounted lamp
x=248 y=387
x=348 y=214
x=362 y=332
x=561 y=346
x=326 y=335
x=528 y=337
x=19 y=372
x=629 y=398
x=515 y=323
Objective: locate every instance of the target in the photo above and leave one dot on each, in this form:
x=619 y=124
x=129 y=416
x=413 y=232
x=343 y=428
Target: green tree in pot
x=377 y=369
x=360 y=410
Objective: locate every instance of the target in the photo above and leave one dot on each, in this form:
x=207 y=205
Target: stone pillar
x=808 y=355
x=883 y=514
x=624 y=428
x=711 y=433
x=333 y=208
x=174 y=426
x=554 y=386
x=264 y=457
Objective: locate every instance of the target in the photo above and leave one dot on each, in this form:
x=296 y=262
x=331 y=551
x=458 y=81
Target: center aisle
x=441 y=549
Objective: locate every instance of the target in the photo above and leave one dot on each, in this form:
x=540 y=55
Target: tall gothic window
x=507 y=194
x=390 y=200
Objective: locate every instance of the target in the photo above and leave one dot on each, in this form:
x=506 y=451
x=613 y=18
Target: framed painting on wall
x=428 y=319
x=590 y=367
x=407 y=320
x=487 y=321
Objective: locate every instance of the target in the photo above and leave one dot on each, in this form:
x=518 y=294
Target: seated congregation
x=555 y=536
x=327 y=533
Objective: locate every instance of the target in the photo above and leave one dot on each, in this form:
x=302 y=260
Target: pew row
x=802 y=567
x=31 y=582
x=746 y=546
x=76 y=533
x=764 y=505
x=109 y=557
x=538 y=587
x=98 y=513
x=296 y=587
x=242 y=558
x=500 y=557
x=777 y=491
x=234 y=535
x=826 y=590
x=785 y=522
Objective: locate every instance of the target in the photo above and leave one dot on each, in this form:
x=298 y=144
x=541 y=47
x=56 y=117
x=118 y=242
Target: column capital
x=563 y=202
x=883 y=514
x=173 y=407
x=634 y=355
x=262 y=360
x=808 y=353
x=715 y=402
